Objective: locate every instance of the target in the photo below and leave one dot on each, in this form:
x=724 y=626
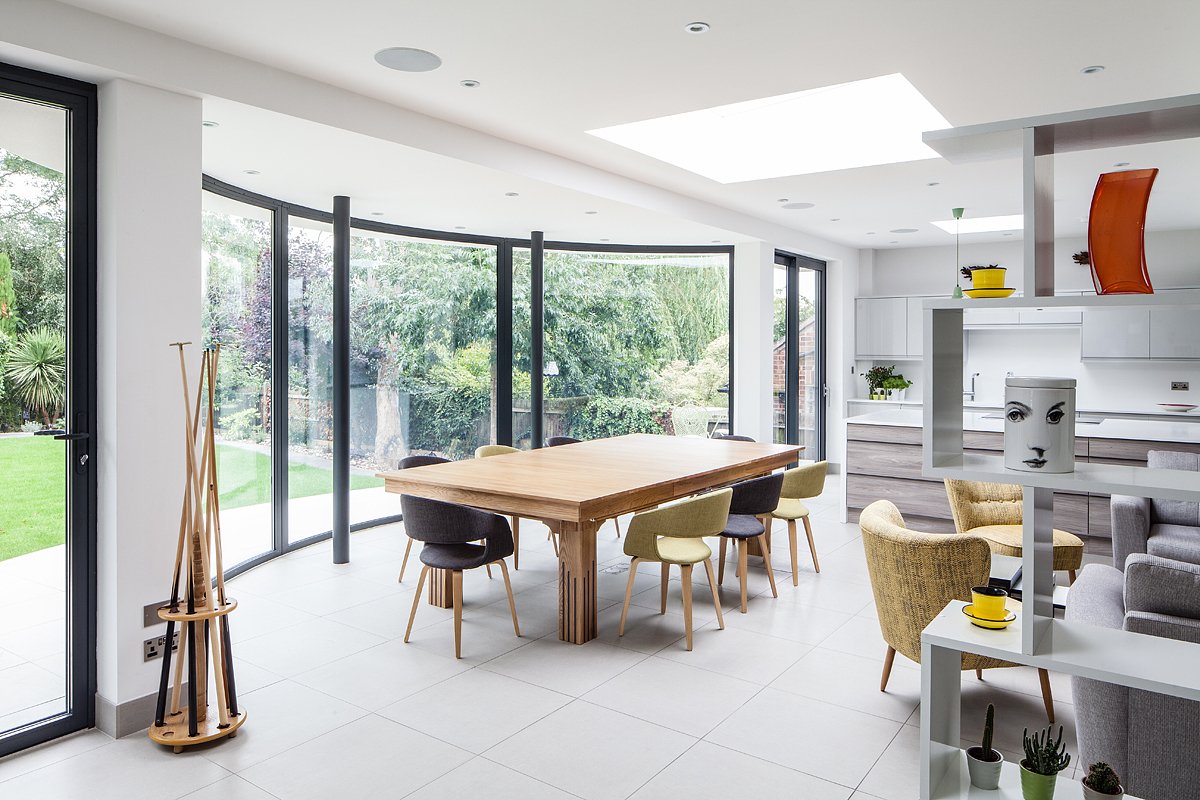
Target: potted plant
x=1102 y=783
x=895 y=386
x=875 y=377
x=984 y=763
x=1045 y=757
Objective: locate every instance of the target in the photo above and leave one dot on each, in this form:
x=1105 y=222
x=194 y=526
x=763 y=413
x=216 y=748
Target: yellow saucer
x=988 y=292
x=993 y=624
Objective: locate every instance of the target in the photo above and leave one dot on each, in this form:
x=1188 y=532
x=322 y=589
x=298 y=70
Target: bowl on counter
x=1178 y=408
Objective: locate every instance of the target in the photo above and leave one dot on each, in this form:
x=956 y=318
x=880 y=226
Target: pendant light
x=958 y=292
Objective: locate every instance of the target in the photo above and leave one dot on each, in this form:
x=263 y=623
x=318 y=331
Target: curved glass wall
x=635 y=339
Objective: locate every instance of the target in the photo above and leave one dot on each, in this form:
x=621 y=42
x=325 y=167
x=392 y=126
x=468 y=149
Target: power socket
x=153 y=648
x=1179 y=386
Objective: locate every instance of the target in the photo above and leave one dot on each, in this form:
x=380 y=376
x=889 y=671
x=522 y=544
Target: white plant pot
x=1091 y=794
x=1039 y=424
x=984 y=774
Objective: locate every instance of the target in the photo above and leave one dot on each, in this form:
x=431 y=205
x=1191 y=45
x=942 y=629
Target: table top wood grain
x=596 y=479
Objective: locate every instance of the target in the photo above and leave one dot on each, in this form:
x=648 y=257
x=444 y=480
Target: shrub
x=601 y=417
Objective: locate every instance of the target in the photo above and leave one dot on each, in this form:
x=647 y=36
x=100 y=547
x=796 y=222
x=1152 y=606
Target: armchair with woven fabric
x=914 y=575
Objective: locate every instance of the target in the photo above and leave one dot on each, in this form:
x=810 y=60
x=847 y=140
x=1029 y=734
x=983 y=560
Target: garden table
x=575 y=487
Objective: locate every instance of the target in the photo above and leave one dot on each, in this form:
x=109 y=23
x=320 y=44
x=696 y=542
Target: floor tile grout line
x=882 y=753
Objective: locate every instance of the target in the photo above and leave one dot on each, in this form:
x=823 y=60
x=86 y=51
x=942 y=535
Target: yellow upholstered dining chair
x=914 y=575
x=488 y=451
x=799 y=484
x=674 y=534
x=994 y=511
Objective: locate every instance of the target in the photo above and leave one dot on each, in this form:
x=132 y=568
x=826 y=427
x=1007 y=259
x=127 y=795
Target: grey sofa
x=1149 y=739
x=1167 y=528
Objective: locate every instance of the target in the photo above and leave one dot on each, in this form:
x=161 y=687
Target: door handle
x=71 y=437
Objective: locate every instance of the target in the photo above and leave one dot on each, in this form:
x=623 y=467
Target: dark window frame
x=792 y=264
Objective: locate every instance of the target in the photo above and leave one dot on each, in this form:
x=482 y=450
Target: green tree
x=8 y=298
x=37 y=368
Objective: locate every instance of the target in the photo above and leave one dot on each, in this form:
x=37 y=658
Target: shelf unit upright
x=1036 y=638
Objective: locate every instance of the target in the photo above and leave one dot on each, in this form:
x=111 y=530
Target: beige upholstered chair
x=994 y=511
x=489 y=451
x=914 y=575
x=798 y=484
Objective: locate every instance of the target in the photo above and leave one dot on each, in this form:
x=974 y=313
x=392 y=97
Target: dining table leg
x=577 y=581
x=441 y=588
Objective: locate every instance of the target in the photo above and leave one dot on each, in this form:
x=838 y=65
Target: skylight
x=858 y=124
x=1011 y=222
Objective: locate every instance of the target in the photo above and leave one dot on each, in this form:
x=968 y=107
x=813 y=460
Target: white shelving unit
x=1037 y=639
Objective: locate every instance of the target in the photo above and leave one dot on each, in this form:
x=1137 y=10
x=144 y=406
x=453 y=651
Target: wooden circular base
x=174 y=730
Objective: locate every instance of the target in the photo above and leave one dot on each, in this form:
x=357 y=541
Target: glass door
x=47 y=407
x=798 y=355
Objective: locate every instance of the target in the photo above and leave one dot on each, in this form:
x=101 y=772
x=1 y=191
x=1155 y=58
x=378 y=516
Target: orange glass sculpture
x=1117 y=232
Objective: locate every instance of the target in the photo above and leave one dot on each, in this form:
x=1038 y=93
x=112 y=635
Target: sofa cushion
x=1097 y=597
x=1161 y=586
x=1174 y=512
x=1176 y=542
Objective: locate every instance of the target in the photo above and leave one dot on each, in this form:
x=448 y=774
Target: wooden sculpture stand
x=199 y=610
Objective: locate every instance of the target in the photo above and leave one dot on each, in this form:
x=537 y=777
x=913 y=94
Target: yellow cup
x=988 y=602
x=988 y=278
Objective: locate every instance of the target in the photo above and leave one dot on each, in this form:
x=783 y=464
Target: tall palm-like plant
x=37 y=368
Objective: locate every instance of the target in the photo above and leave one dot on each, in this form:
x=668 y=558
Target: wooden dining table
x=574 y=488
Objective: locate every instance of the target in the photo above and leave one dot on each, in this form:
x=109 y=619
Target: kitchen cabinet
x=1049 y=316
x=1115 y=333
x=989 y=317
x=916 y=327
x=1175 y=332
x=881 y=327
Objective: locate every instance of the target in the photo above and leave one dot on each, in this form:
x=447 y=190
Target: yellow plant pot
x=988 y=278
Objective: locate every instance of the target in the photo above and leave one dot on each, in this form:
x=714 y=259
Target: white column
x=753 y=316
x=148 y=296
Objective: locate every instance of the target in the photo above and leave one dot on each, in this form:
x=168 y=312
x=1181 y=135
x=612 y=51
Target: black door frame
x=793 y=263
x=78 y=99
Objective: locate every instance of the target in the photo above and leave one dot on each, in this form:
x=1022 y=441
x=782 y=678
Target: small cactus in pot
x=1045 y=756
x=984 y=763
x=1102 y=783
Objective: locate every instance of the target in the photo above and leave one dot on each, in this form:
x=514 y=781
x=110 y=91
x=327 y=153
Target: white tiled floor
x=783 y=703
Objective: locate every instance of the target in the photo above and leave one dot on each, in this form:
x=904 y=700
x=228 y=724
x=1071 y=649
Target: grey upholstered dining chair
x=409 y=462
x=749 y=518
x=733 y=437
x=449 y=533
x=559 y=441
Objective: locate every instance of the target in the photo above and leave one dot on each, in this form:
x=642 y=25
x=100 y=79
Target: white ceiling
x=552 y=69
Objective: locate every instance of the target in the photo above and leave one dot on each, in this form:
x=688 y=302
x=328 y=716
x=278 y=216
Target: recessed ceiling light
x=591 y=212
x=1010 y=222
x=934 y=183
x=797 y=206
x=469 y=84
x=1092 y=70
x=376 y=213
x=863 y=123
x=407 y=59
x=1007 y=233
x=208 y=123
x=893 y=242
x=835 y=219
x=870 y=233
x=460 y=227
x=782 y=200
x=251 y=172
x=1121 y=164
x=697 y=27
x=716 y=241
x=512 y=194
x=605 y=240
x=903 y=230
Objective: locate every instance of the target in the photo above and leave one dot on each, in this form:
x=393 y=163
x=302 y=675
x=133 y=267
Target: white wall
x=753 y=316
x=149 y=296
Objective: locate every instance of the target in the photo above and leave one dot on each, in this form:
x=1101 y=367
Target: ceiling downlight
x=408 y=59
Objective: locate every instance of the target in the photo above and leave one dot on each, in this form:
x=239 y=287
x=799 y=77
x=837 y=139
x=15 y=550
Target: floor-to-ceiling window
x=422 y=357
x=47 y=407
x=635 y=342
x=798 y=353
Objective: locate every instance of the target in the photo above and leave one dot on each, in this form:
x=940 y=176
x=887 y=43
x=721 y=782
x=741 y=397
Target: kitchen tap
x=969 y=394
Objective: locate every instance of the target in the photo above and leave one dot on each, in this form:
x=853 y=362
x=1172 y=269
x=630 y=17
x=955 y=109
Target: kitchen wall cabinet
x=1115 y=333
x=1175 y=332
x=916 y=327
x=881 y=327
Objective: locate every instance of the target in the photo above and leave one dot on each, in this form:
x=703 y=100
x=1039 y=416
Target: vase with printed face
x=1039 y=424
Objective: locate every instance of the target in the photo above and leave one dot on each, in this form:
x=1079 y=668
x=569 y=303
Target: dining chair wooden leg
x=812 y=547
x=767 y=520
x=766 y=551
x=887 y=668
x=978 y=674
x=708 y=568
x=488 y=567
x=617 y=525
x=666 y=579
x=721 y=561
x=404 y=563
x=416 y=601
x=686 y=570
x=512 y=606
x=628 y=595
x=456 y=584
x=795 y=552
x=516 y=531
x=1047 y=695
x=743 y=552
x=1071 y=575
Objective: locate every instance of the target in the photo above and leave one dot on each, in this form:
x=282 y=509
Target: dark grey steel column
x=791 y=369
x=504 y=344
x=341 y=380
x=279 y=382
x=537 y=249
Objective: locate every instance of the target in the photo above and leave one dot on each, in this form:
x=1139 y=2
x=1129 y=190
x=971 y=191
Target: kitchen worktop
x=1153 y=430
x=1148 y=413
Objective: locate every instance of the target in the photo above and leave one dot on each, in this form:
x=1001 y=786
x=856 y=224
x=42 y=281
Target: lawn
x=32 y=486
